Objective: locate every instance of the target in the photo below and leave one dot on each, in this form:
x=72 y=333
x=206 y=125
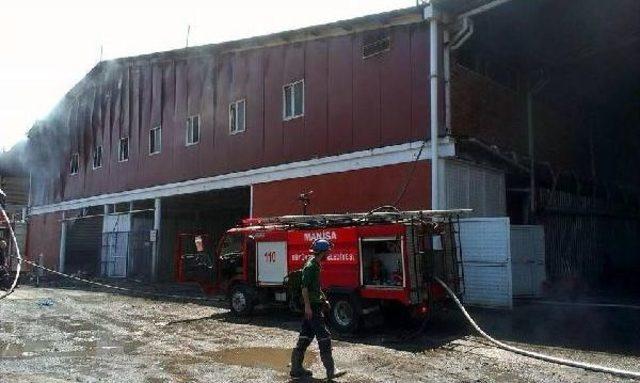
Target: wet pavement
x=92 y=336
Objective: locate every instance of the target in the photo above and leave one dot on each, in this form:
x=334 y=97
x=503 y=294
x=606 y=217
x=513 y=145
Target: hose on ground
x=123 y=289
x=15 y=244
x=20 y=260
x=536 y=355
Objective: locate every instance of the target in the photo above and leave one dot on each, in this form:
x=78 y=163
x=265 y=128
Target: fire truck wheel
x=345 y=314
x=241 y=300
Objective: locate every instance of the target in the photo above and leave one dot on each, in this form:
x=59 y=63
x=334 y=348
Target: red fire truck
x=378 y=259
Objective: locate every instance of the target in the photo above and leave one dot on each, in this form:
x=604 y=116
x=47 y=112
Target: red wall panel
x=207 y=129
x=353 y=191
x=273 y=82
x=44 y=238
x=340 y=89
x=366 y=97
x=316 y=94
x=395 y=92
x=420 y=120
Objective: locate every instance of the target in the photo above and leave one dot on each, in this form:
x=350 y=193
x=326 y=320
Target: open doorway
x=208 y=215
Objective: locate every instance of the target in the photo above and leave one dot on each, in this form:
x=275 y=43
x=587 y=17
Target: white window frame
x=189 y=126
x=97 y=150
x=120 y=149
x=151 y=131
x=293 y=101
x=244 y=116
x=76 y=157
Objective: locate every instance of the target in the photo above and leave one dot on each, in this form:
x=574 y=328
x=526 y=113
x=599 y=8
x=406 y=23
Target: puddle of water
x=40 y=348
x=67 y=324
x=261 y=357
x=23 y=350
x=110 y=347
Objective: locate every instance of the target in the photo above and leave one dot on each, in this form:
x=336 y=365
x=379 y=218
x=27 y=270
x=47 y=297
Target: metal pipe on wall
x=483 y=8
x=63 y=244
x=446 y=61
x=430 y=14
x=464 y=34
x=155 y=249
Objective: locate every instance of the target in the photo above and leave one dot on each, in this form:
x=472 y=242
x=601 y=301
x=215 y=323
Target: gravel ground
x=62 y=335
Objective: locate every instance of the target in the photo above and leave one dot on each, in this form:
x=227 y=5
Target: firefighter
x=313 y=324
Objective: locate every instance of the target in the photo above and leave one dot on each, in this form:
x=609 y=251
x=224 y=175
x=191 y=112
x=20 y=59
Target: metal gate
x=527 y=253
x=115 y=245
x=486 y=261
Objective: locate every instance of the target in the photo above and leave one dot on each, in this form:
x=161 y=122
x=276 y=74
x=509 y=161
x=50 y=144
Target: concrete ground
x=68 y=334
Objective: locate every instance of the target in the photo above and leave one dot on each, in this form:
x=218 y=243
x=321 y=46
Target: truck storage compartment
x=381 y=260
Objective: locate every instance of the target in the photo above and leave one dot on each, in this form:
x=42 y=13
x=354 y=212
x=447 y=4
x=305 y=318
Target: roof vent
x=376 y=47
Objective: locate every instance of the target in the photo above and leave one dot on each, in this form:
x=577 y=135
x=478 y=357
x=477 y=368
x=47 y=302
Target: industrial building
x=526 y=110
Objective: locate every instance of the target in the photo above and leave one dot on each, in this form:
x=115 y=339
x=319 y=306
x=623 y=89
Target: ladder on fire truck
x=386 y=215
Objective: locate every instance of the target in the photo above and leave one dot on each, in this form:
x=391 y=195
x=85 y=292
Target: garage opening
x=83 y=243
x=547 y=91
x=207 y=215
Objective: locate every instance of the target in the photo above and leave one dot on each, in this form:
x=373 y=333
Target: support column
x=532 y=162
x=251 y=202
x=155 y=249
x=63 y=244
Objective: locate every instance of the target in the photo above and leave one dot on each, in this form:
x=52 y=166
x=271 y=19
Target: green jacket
x=311 y=280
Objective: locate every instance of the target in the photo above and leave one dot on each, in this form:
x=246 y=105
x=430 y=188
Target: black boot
x=297 y=370
x=327 y=360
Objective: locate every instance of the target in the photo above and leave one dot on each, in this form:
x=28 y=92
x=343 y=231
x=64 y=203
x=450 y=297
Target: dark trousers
x=316 y=328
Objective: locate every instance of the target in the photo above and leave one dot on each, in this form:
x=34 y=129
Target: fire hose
x=536 y=355
x=15 y=243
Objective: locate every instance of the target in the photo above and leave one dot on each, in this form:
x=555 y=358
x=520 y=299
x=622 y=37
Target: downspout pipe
x=63 y=244
x=464 y=34
x=431 y=14
x=155 y=246
x=446 y=61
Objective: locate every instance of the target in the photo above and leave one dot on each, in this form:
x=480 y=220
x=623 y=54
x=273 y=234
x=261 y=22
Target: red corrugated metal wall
x=44 y=238
x=351 y=104
x=353 y=191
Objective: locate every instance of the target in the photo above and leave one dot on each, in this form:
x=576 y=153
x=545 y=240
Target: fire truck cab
x=377 y=259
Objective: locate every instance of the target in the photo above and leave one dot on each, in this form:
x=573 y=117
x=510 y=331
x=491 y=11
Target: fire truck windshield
x=232 y=244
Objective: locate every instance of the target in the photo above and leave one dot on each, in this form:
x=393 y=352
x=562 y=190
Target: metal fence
x=588 y=239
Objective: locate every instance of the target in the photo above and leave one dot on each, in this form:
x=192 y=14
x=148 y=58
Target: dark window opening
x=75 y=163
x=97 y=157
x=123 y=150
x=155 y=140
x=193 y=130
x=237 y=116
